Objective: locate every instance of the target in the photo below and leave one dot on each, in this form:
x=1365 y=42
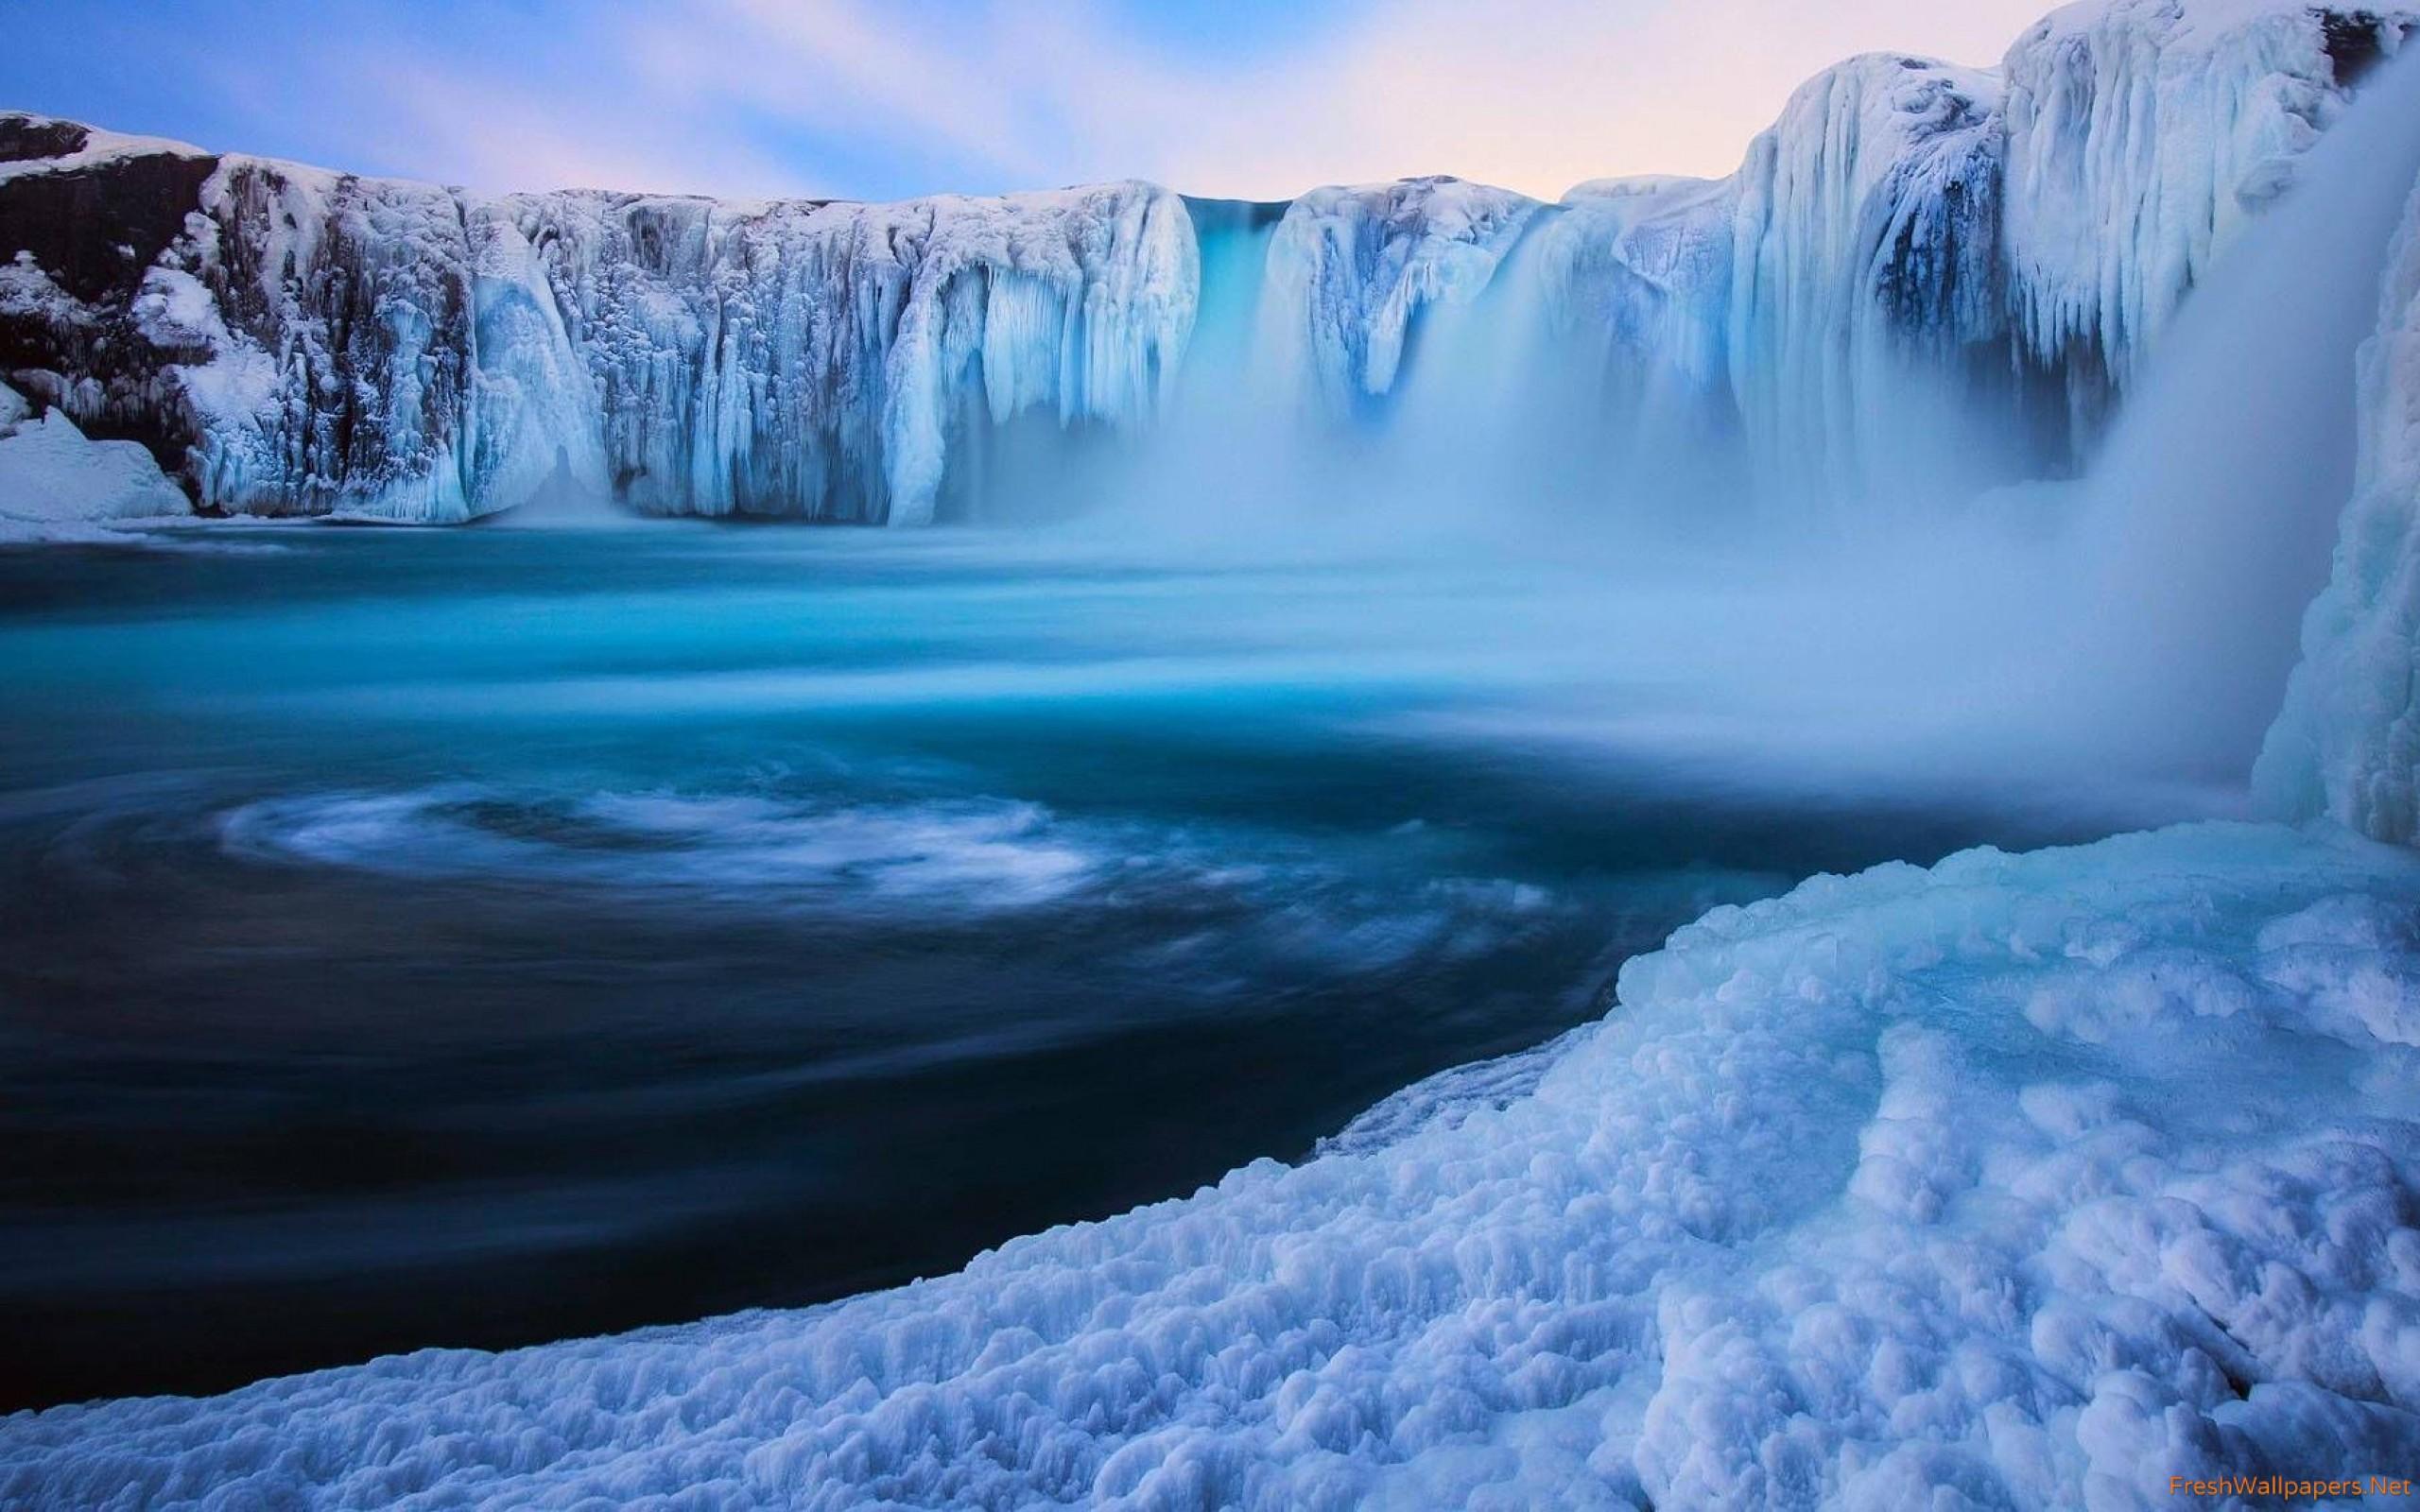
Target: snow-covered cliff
x=309 y=342
x=1350 y=271
x=1915 y=255
x=1973 y=260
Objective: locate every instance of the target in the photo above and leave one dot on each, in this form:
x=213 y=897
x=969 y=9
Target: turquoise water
x=483 y=936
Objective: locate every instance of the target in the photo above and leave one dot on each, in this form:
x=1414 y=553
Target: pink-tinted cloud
x=789 y=97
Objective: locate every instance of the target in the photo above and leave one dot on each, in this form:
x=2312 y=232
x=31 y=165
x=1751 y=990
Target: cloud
x=484 y=132
x=855 y=97
x=1535 y=95
x=841 y=68
x=502 y=101
x=1544 y=95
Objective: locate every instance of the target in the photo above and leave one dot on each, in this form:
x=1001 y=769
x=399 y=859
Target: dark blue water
x=485 y=936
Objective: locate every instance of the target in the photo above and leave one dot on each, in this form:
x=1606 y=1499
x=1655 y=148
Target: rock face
x=1915 y=255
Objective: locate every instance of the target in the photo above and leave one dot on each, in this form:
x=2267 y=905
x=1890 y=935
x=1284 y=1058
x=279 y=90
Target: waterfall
x=2211 y=513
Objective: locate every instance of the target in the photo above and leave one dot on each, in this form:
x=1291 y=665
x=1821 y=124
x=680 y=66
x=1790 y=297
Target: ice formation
x=55 y=484
x=324 y=343
x=2139 y=136
x=1921 y=270
x=1350 y=269
x=2024 y=1181
x=1924 y=258
x=1861 y=229
x=1863 y=226
x=2013 y=1182
x=817 y=359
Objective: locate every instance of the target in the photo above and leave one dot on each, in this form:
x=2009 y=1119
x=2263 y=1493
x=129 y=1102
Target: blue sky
x=883 y=98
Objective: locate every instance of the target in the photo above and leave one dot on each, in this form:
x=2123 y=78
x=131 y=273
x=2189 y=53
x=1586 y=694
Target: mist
x=1602 y=562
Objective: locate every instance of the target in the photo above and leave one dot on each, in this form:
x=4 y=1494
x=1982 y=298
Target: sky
x=890 y=98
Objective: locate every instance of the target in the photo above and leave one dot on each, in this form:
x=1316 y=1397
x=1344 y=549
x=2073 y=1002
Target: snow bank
x=54 y=481
x=2024 y=1181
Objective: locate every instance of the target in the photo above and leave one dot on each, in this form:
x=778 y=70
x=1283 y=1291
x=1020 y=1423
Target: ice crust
x=2022 y=1181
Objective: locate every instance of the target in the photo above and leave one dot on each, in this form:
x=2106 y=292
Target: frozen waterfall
x=1923 y=280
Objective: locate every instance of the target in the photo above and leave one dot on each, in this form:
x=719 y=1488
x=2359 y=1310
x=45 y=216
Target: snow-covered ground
x=2024 y=1181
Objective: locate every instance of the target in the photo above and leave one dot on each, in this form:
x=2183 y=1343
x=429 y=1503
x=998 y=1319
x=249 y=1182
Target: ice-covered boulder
x=2024 y=1181
x=1916 y=255
x=52 y=479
